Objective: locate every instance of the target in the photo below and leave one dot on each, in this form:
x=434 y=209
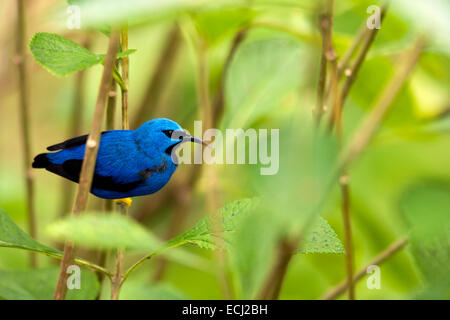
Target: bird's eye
x=168 y=133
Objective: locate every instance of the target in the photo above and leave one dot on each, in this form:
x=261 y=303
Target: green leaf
x=262 y=74
x=12 y=236
x=426 y=207
x=214 y=25
x=200 y=234
x=321 y=238
x=136 y=12
x=62 y=56
x=40 y=284
x=98 y=230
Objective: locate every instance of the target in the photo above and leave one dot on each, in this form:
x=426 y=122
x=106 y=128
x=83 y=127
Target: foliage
x=62 y=56
x=270 y=81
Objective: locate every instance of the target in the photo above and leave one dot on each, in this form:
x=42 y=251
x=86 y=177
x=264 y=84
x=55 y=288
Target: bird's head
x=163 y=136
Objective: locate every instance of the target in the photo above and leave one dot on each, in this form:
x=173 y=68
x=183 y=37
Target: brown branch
x=287 y=246
x=272 y=286
x=75 y=130
x=90 y=156
x=117 y=278
x=345 y=208
x=125 y=71
x=108 y=205
x=352 y=72
x=345 y=59
x=343 y=181
x=111 y=106
x=24 y=104
x=371 y=122
x=336 y=291
x=159 y=79
x=325 y=25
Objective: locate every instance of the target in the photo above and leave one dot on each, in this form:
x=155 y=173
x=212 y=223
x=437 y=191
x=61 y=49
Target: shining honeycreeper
x=129 y=163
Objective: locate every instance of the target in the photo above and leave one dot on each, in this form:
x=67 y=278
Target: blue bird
x=129 y=163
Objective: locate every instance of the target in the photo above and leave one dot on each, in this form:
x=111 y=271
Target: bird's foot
x=126 y=201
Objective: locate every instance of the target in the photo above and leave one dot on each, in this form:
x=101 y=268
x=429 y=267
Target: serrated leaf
x=62 y=56
x=39 y=284
x=12 y=236
x=321 y=238
x=200 y=234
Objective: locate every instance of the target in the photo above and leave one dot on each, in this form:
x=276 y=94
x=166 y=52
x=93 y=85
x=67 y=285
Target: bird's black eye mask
x=174 y=134
x=179 y=135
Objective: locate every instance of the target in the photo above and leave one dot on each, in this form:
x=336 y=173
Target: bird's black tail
x=41 y=161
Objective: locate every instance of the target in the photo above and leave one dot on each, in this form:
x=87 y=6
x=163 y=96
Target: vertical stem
x=108 y=204
x=326 y=25
x=351 y=73
x=272 y=286
x=125 y=70
x=116 y=281
x=20 y=60
x=90 y=157
x=346 y=218
x=117 y=277
x=75 y=130
x=111 y=106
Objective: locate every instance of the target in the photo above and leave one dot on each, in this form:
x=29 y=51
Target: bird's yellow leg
x=126 y=201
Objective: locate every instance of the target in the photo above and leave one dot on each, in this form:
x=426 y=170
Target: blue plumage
x=129 y=162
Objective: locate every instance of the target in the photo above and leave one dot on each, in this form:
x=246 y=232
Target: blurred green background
x=272 y=77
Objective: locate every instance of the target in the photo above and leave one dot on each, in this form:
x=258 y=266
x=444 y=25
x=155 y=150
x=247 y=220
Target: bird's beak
x=188 y=137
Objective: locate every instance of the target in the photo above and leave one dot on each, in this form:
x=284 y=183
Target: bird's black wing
x=70 y=143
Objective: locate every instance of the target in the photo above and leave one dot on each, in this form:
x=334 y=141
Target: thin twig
x=336 y=291
x=343 y=180
x=75 y=130
x=125 y=71
x=352 y=72
x=345 y=208
x=117 y=278
x=90 y=157
x=345 y=59
x=272 y=286
x=326 y=26
x=371 y=122
x=287 y=246
x=20 y=61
